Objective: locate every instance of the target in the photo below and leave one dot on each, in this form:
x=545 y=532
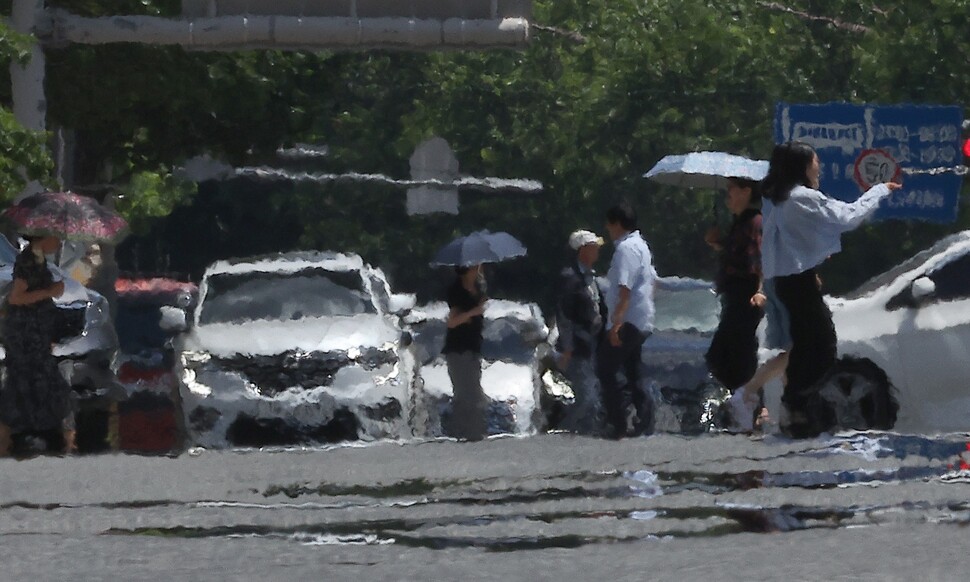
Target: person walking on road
x=733 y=354
x=801 y=230
x=34 y=396
x=629 y=302
x=463 y=353
x=580 y=317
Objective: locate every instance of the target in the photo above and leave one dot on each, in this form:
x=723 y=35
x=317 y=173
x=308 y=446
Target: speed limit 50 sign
x=862 y=145
x=875 y=167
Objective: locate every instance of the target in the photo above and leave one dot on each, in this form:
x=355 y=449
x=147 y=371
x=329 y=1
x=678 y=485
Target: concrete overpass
x=308 y=25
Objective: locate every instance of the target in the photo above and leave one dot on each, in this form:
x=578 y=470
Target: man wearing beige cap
x=580 y=313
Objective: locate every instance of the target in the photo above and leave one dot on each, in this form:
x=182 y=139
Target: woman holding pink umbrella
x=34 y=397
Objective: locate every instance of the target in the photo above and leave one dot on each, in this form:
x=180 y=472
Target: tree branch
x=837 y=23
x=570 y=35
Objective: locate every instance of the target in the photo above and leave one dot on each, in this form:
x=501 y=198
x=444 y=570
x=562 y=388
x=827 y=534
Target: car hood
x=263 y=337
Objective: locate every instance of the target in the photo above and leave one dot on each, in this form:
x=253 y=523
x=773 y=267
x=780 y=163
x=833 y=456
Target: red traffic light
x=966 y=148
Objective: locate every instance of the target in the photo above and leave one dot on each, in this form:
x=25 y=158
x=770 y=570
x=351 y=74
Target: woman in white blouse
x=802 y=227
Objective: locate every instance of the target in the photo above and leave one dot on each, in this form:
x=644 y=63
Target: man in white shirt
x=629 y=302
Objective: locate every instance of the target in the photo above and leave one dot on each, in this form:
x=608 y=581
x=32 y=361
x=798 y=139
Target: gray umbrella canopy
x=706 y=169
x=477 y=248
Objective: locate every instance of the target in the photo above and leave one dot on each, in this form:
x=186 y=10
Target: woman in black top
x=733 y=355
x=34 y=397
x=463 y=353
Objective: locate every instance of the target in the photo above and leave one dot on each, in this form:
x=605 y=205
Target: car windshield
x=906 y=266
x=506 y=339
x=686 y=309
x=314 y=292
x=8 y=253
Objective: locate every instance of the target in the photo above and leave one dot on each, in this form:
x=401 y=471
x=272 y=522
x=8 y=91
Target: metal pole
x=27 y=81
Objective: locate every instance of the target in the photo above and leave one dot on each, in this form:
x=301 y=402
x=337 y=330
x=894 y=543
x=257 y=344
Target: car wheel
x=858 y=395
x=702 y=409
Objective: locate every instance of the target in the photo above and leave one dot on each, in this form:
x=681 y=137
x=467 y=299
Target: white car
x=295 y=348
x=913 y=323
x=688 y=400
x=513 y=343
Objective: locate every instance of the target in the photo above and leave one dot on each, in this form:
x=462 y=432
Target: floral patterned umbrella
x=67 y=216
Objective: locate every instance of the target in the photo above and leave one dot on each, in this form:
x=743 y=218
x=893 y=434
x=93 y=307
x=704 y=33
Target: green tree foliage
x=586 y=118
x=23 y=156
x=14 y=46
x=23 y=153
x=663 y=77
x=149 y=196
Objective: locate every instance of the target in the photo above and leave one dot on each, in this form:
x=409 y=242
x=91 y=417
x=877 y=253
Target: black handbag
x=68 y=321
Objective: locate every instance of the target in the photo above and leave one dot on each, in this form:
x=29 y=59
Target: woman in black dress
x=733 y=355
x=463 y=353
x=34 y=396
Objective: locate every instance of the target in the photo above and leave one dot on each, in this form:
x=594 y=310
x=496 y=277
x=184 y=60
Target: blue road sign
x=861 y=145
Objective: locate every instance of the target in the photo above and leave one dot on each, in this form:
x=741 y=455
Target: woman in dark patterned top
x=34 y=397
x=463 y=353
x=733 y=355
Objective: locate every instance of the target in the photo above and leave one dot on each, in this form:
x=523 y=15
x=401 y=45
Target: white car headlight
x=389 y=377
x=195 y=359
x=97 y=315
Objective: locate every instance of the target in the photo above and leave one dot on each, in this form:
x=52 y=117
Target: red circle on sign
x=876 y=167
